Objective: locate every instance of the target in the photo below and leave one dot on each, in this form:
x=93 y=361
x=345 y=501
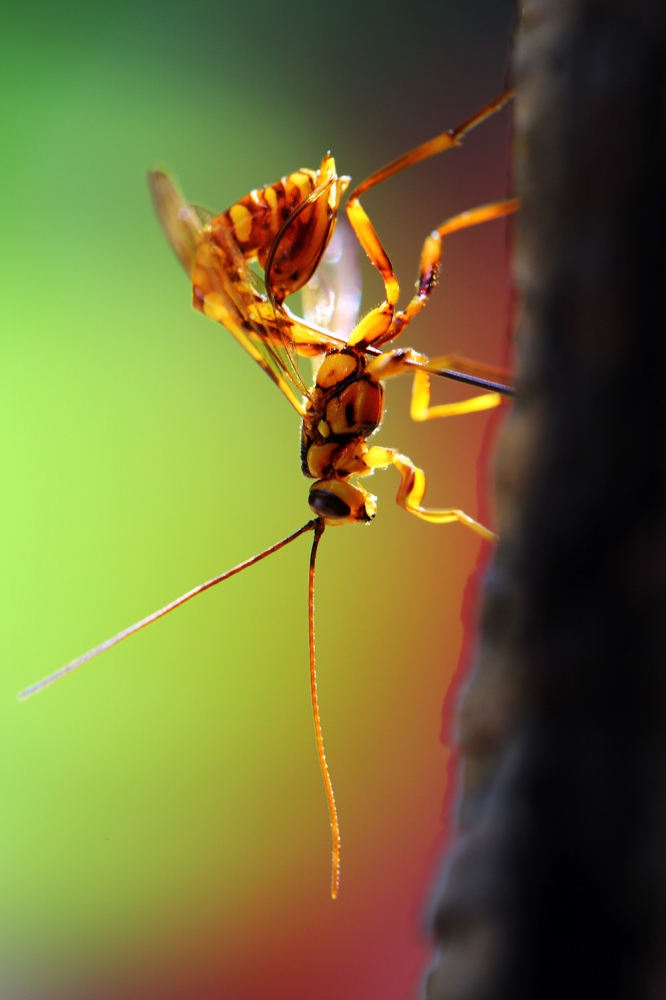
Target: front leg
x=431 y=259
x=412 y=490
x=374 y=329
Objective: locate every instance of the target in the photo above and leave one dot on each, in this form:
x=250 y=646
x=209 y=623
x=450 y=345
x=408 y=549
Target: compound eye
x=328 y=504
x=341 y=503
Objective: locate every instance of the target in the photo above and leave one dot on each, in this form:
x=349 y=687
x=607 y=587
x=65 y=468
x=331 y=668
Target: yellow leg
x=420 y=408
x=440 y=143
x=412 y=490
x=431 y=259
x=373 y=329
x=397 y=362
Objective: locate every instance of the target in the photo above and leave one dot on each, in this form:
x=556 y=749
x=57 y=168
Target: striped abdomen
x=256 y=220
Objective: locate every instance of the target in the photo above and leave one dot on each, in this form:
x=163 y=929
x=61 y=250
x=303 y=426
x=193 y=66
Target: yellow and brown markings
x=356 y=409
x=256 y=220
x=286 y=227
x=345 y=409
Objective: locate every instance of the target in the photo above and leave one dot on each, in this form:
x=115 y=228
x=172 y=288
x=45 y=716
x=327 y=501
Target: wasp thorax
x=337 y=367
x=356 y=408
x=341 y=503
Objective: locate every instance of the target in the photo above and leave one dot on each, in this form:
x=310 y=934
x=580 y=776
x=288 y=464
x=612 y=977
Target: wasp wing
x=332 y=296
x=234 y=296
x=181 y=222
x=236 y=299
x=278 y=335
x=203 y=214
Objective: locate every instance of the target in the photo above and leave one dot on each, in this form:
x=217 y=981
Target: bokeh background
x=164 y=829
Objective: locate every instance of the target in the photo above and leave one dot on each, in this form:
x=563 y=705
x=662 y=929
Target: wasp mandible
x=286 y=228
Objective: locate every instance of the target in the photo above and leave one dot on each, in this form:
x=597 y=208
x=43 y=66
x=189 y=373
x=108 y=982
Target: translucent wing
x=298 y=240
x=332 y=297
x=204 y=214
x=181 y=222
x=231 y=293
x=298 y=247
x=227 y=290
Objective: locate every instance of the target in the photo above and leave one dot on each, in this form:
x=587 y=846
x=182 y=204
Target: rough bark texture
x=557 y=885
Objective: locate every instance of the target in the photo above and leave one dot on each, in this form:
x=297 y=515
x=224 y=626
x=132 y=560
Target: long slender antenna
x=333 y=812
x=52 y=678
x=479 y=383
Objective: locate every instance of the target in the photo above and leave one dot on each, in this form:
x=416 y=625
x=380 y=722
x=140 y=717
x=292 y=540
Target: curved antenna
x=332 y=810
x=102 y=648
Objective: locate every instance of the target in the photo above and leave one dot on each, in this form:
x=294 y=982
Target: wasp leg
x=440 y=143
x=431 y=259
x=412 y=489
x=375 y=326
x=420 y=408
x=393 y=363
x=376 y=329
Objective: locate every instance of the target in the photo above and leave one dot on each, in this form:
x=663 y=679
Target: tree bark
x=557 y=884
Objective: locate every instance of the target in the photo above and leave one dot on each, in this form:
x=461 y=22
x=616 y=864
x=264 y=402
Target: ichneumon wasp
x=288 y=229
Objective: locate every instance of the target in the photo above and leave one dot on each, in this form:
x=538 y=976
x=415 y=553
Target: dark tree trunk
x=557 y=885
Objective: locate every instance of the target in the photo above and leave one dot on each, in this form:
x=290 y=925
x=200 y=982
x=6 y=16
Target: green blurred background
x=164 y=828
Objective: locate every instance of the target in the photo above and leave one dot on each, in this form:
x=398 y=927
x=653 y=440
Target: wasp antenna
x=333 y=812
x=91 y=654
x=478 y=383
